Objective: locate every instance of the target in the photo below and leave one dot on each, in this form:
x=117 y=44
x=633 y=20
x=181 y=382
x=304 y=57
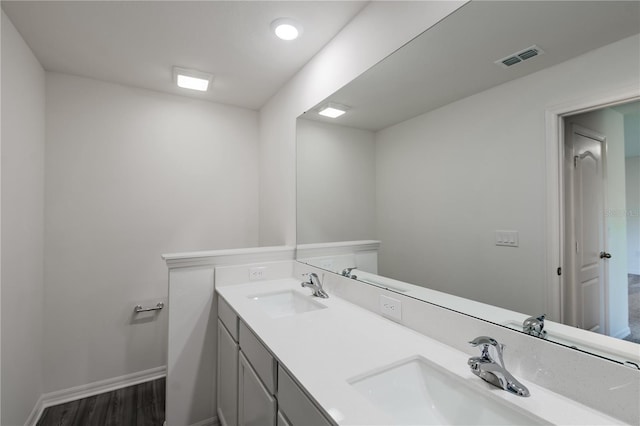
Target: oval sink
x=418 y=392
x=285 y=303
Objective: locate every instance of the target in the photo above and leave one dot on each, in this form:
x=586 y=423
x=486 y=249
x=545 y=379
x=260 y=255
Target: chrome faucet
x=315 y=285
x=486 y=367
x=535 y=326
x=346 y=272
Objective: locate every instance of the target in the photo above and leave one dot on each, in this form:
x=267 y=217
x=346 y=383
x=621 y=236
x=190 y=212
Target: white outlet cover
x=391 y=308
x=327 y=264
x=257 y=273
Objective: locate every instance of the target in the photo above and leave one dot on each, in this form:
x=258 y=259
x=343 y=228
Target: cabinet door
x=295 y=405
x=282 y=420
x=227 y=378
x=256 y=406
x=261 y=360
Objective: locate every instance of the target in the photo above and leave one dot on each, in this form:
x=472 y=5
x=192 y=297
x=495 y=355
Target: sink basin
x=416 y=391
x=285 y=303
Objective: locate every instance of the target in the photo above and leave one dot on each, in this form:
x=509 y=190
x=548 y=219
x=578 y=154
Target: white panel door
x=588 y=222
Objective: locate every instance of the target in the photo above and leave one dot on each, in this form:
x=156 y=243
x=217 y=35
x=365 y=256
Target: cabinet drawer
x=228 y=318
x=295 y=404
x=259 y=357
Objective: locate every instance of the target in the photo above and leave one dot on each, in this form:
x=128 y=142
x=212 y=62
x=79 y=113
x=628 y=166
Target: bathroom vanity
x=253 y=385
x=262 y=350
x=286 y=358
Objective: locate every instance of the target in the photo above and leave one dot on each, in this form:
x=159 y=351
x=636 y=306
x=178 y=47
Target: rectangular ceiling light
x=332 y=110
x=192 y=79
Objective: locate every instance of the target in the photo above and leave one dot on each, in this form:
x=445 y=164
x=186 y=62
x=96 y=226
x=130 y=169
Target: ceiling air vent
x=520 y=56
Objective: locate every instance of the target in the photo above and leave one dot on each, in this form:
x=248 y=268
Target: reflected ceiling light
x=332 y=110
x=192 y=79
x=286 y=28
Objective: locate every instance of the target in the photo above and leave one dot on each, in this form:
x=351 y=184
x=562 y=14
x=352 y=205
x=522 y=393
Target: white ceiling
x=455 y=58
x=138 y=42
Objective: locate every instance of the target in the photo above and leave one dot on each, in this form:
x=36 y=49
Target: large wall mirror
x=441 y=163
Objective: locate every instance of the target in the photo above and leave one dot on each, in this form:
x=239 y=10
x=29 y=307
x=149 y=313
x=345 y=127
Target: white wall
x=610 y=123
x=449 y=178
x=131 y=174
x=336 y=168
x=381 y=28
x=23 y=146
x=632 y=170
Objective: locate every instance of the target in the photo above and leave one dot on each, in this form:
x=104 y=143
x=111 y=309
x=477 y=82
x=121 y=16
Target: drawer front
x=259 y=357
x=295 y=404
x=227 y=382
x=228 y=318
x=256 y=405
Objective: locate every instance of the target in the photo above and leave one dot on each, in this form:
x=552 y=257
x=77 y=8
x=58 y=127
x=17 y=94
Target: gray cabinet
x=281 y=420
x=264 y=364
x=256 y=405
x=295 y=406
x=253 y=390
x=227 y=386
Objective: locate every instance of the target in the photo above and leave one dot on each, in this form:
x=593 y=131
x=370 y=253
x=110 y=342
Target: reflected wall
x=447 y=179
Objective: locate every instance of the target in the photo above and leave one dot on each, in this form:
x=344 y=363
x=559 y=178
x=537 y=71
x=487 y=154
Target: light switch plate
x=391 y=308
x=507 y=238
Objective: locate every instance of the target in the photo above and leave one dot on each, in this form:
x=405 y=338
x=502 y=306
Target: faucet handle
x=484 y=340
x=535 y=326
x=347 y=271
x=486 y=343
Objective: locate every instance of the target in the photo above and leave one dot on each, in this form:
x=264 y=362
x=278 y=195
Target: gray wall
x=23 y=148
x=336 y=177
x=455 y=175
x=132 y=174
x=374 y=33
x=632 y=170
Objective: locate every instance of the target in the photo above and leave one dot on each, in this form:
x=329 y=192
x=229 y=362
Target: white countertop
x=323 y=349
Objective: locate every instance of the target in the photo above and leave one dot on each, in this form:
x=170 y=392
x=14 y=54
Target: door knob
x=605 y=255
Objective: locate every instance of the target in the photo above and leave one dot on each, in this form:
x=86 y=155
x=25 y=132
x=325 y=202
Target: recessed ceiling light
x=192 y=79
x=286 y=28
x=332 y=110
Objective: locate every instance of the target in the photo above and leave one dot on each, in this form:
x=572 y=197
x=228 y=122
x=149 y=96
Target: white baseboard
x=35 y=414
x=90 y=389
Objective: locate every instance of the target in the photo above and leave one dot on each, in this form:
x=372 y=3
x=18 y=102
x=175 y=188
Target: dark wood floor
x=139 y=405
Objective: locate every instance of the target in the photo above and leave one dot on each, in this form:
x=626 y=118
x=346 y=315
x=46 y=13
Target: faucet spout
x=346 y=272
x=494 y=371
x=497 y=375
x=315 y=285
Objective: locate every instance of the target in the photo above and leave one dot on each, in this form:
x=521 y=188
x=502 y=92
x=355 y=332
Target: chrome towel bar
x=139 y=308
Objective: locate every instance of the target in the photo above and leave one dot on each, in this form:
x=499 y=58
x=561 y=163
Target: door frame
x=554 y=181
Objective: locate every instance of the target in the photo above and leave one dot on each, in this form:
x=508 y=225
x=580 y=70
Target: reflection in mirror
x=441 y=165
